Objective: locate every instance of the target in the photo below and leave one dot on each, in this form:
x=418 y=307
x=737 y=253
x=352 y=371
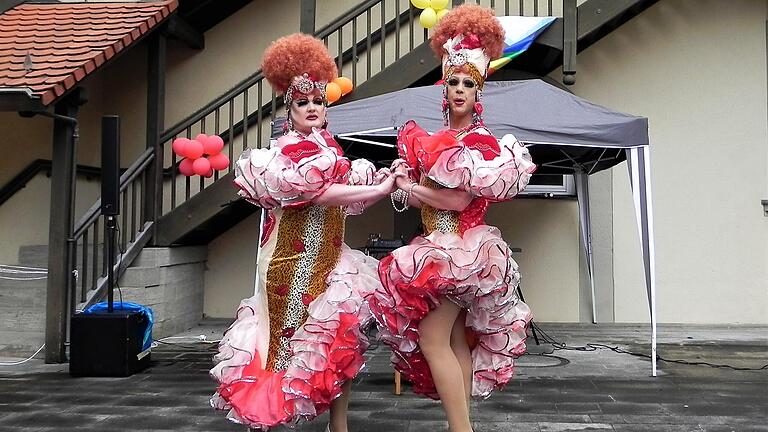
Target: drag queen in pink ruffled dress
x=296 y=344
x=448 y=306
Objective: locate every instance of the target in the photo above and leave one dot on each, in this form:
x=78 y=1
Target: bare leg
x=434 y=341
x=463 y=355
x=339 y=409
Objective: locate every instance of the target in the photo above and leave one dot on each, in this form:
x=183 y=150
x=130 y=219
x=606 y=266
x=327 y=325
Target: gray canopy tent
x=565 y=134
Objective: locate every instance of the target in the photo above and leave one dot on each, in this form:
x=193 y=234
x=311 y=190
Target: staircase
x=380 y=45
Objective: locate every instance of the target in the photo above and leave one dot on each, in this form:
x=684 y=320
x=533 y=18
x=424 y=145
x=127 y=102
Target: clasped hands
x=396 y=177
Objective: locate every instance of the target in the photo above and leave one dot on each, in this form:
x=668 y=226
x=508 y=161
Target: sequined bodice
x=451 y=221
x=307 y=248
x=435 y=219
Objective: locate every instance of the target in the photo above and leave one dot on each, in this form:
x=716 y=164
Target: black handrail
x=252 y=80
x=266 y=109
x=126 y=178
x=20 y=180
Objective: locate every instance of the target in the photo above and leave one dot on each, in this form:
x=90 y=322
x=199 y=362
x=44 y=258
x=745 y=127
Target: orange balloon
x=332 y=92
x=345 y=84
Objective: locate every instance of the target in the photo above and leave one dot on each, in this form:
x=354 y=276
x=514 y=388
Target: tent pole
x=585 y=221
x=638 y=162
x=651 y=255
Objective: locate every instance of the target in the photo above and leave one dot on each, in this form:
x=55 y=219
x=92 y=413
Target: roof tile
x=50 y=47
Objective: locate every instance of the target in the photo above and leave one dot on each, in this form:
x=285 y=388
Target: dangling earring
x=477 y=114
x=445 y=107
x=445 y=112
x=288 y=125
x=325 y=123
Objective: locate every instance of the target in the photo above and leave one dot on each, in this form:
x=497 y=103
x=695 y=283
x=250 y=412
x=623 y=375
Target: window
x=550 y=185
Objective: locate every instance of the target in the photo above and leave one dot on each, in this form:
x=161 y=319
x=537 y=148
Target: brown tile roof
x=50 y=47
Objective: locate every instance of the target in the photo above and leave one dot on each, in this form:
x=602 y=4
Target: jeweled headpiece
x=467 y=38
x=298 y=63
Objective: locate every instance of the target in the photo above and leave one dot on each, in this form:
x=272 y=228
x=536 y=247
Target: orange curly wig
x=470 y=19
x=295 y=55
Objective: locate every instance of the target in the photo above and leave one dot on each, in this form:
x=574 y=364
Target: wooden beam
x=6 y=5
x=19 y=99
x=307 y=16
x=399 y=75
x=596 y=18
x=195 y=211
x=570 y=39
x=65 y=136
x=153 y=177
x=181 y=30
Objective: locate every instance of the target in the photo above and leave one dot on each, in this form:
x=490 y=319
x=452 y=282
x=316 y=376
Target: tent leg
x=585 y=221
x=639 y=163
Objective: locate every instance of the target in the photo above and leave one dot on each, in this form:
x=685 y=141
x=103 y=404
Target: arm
x=343 y=195
x=443 y=199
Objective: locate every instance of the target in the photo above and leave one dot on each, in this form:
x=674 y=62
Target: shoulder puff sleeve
x=485 y=167
x=291 y=175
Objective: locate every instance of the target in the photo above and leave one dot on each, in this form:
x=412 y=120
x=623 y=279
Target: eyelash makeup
x=304 y=102
x=468 y=83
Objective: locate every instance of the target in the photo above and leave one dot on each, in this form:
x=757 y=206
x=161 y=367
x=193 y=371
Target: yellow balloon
x=428 y=18
x=421 y=4
x=438 y=5
x=441 y=13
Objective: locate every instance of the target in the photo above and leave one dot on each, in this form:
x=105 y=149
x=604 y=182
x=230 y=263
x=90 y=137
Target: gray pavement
x=567 y=390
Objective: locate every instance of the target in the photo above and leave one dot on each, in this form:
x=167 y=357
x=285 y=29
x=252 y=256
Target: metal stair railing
x=363 y=41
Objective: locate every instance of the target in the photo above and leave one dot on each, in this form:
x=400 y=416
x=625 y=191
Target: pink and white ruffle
x=476 y=272
x=292 y=172
x=327 y=351
x=497 y=179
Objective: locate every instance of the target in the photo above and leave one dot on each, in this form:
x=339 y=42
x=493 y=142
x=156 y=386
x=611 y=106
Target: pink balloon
x=201 y=166
x=179 y=146
x=213 y=145
x=201 y=137
x=185 y=167
x=194 y=149
x=209 y=174
x=219 y=161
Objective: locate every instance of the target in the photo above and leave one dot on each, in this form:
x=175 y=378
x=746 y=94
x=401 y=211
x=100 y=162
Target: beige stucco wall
x=547 y=232
x=697 y=70
x=24 y=217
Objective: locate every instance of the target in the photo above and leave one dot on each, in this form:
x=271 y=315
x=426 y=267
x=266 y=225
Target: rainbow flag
x=519 y=34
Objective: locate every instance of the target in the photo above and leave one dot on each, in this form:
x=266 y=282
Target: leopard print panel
x=307 y=249
x=446 y=221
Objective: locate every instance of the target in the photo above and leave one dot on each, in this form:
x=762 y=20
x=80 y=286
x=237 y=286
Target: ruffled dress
x=301 y=336
x=459 y=258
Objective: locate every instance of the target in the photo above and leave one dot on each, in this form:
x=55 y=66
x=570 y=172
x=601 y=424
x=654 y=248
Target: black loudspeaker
x=107 y=344
x=110 y=165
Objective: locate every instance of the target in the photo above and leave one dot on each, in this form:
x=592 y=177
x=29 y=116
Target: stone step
x=34 y=256
x=163 y=257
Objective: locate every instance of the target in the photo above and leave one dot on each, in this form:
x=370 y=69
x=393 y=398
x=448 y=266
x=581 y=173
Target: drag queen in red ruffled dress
x=296 y=344
x=448 y=306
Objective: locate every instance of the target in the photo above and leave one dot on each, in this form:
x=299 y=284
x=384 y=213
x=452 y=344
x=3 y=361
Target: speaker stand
x=111 y=227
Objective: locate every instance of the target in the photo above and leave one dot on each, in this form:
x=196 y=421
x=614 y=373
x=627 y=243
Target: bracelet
x=410 y=189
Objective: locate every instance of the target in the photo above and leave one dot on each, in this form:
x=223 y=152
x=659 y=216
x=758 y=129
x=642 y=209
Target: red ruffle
x=416 y=276
x=257 y=396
